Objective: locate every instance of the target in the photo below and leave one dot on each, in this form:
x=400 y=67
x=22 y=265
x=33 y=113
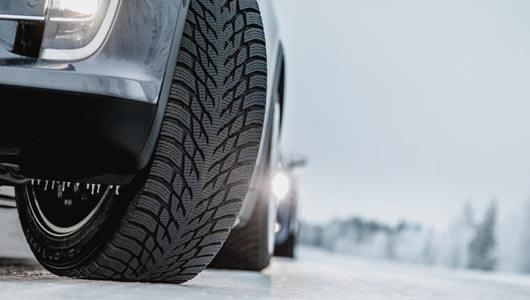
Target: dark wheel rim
x=62 y=209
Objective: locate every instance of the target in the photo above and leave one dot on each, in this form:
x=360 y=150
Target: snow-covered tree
x=525 y=241
x=453 y=246
x=310 y=234
x=482 y=249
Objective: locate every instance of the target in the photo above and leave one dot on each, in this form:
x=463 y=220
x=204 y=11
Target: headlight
x=281 y=185
x=75 y=29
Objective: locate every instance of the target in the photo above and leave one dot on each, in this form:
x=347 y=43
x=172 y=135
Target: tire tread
x=206 y=153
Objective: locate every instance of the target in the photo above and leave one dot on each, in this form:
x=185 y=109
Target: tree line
x=469 y=242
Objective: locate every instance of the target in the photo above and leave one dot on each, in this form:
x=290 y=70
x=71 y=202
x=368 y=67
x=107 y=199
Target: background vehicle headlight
x=281 y=185
x=75 y=29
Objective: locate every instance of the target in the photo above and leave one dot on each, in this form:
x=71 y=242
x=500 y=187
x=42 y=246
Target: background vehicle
x=138 y=134
x=285 y=186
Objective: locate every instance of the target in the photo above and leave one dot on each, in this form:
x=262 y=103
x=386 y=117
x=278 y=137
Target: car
x=285 y=188
x=140 y=136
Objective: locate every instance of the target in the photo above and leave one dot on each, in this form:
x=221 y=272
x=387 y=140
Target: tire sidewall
x=60 y=253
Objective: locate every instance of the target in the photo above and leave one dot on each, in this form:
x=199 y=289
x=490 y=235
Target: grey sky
x=408 y=108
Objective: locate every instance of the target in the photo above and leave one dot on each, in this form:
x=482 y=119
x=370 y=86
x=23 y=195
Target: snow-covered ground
x=315 y=275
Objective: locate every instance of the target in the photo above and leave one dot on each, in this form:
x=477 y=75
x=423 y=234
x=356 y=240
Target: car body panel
x=130 y=64
x=136 y=62
x=23 y=8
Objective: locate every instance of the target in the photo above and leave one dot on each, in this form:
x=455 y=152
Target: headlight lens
x=75 y=8
x=77 y=27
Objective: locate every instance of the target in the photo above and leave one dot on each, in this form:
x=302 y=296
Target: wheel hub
x=62 y=208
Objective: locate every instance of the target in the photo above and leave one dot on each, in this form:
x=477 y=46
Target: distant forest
x=472 y=242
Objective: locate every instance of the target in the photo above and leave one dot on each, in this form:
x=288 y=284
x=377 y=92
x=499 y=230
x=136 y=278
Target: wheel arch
x=150 y=144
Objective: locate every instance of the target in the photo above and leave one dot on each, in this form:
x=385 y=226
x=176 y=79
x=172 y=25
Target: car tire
x=248 y=247
x=286 y=249
x=170 y=222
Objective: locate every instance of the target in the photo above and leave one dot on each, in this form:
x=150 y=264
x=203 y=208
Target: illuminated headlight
x=75 y=29
x=281 y=185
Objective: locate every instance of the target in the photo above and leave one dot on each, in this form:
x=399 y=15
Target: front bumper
x=95 y=119
x=130 y=64
x=71 y=136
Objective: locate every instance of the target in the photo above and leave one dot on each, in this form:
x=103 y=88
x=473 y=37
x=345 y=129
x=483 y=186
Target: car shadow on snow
x=18 y=268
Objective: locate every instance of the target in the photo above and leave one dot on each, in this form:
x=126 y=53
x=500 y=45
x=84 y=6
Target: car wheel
x=170 y=222
x=286 y=249
x=249 y=247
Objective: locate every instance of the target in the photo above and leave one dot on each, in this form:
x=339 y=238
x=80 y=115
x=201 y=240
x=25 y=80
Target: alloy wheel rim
x=65 y=209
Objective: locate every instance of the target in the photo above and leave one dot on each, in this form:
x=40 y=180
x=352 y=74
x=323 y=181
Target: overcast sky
x=407 y=109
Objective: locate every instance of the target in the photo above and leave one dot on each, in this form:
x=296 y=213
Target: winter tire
x=170 y=222
x=286 y=249
x=249 y=247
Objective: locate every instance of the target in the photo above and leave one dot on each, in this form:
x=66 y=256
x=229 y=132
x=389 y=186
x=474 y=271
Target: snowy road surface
x=316 y=275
